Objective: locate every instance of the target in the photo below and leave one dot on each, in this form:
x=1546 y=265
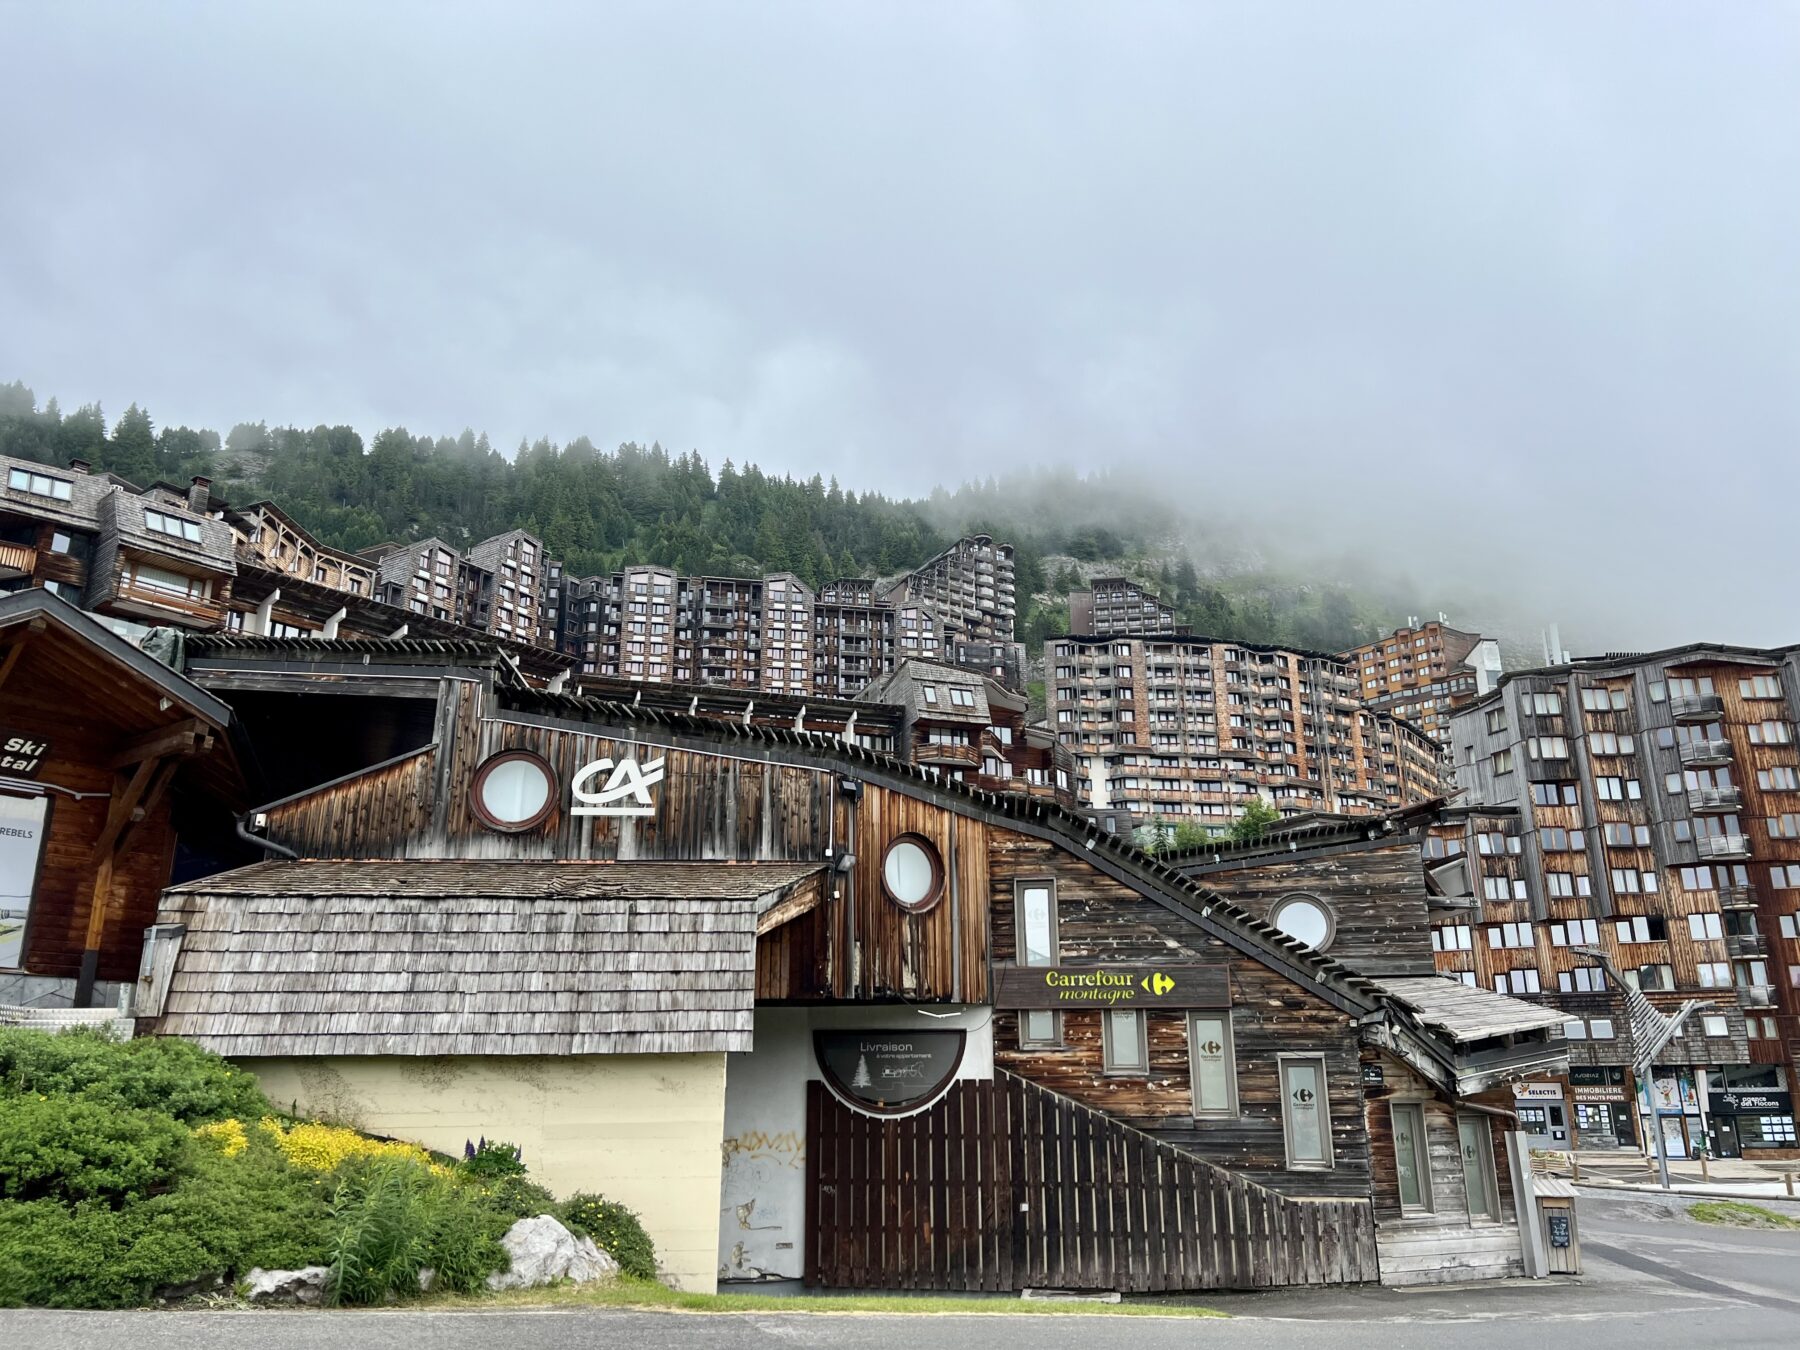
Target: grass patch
x=1739 y=1215
x=646 y=1295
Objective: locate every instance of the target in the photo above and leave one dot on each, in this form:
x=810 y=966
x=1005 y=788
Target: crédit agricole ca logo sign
x=626 y=791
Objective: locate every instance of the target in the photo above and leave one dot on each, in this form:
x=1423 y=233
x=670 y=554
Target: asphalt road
x=1653 y=1281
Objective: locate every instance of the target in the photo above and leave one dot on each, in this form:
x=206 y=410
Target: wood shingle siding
x=325 y=958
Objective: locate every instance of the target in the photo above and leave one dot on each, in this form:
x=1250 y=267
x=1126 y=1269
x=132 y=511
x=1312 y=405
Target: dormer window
x=173 y=526
x=40 y=484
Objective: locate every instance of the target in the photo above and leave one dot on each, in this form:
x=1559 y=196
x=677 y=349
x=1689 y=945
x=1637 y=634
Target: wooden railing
x=195 y=606
x=17 y=558
x=1006 y=1185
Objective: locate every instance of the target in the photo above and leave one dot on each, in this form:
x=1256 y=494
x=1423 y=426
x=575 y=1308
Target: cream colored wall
x=644 y=1130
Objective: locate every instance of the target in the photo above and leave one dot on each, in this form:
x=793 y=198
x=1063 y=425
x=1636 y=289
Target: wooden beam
x=184 y=738
x=147 y=784
x=802 y=899
x=11 y=659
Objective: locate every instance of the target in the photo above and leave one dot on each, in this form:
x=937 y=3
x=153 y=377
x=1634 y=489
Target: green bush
x=156 y=1073
x=616 y=1230
x=249 y=1210
x=72 y=1149
x=515 y=1198
x=378 y=1212
x=462 y=1241
x=491 y=1160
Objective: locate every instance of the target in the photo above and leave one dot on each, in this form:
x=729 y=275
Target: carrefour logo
x=625 y=793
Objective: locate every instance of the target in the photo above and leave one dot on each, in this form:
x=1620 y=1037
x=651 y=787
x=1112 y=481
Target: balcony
x=153 y=602
x=1756 y=995
x=959 y=755
x=16 y=560
x=1746 y=944
x=1705 y=752
x=1736 y=897
x=1696 y=707
x=1712 y=800
x=1722 y=846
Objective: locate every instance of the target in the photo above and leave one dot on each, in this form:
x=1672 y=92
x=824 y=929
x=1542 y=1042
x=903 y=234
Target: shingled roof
x=471 y=958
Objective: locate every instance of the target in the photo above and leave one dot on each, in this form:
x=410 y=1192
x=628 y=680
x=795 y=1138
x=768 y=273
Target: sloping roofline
x=1623 y=661
x=37 y=603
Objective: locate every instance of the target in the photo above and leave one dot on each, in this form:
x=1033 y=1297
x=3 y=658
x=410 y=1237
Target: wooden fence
x=1006 y=1185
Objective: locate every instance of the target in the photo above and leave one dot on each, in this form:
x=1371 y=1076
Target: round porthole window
x=911 y=872
x=1304 y=919
x=513 y=791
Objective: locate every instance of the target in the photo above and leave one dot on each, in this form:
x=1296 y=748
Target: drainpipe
x=269 y=845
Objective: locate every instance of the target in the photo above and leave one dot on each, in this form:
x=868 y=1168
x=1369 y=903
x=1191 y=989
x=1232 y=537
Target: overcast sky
x=1506 y=292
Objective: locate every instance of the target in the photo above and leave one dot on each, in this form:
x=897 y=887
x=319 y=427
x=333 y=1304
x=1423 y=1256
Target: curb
x=1687 y=1191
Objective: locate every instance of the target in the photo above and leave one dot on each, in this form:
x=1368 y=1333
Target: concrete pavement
x=1653 y=1281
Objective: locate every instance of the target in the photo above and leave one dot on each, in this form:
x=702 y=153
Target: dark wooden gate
x=1006 y=1185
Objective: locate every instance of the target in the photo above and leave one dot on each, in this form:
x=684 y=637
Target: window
x=1618 y=789
x=1575 y=933
x=1712 y=1024
x=1705 y=927
x=1034 y=920
x=911 y=873
x=962 y=698
x=174 y=526
x=60 y=542
x=1475 y=1141
x=1510 y=935
x=1542 y=705
x=1760 y=686
x=1751 y=974
x=1784 y=826
x=1496 y=720
x=1582 y=980
x=1501 y=888
x=1503 y=762
x=1605 y=700
x=1714 y=974
x=1547 y=747
x=1789 y=925
x=1642 y=928
x=1555 y=794
x=1305 y=1112
x=1609 y=743
x=1451 y=937
x=1492 y=842
x=1770 y=733
x=1561 y=841
x=22 y=828
x=1518 y=982
x=928 y=693
x=1626 y=836
x=40 y=484
x=1304 y=919
x=1600 y=1028
x=1630 y=881
x=1212 y=1064
x=1124 y=1047
x=1781 y=778
x=1412 y=1158
x=1655 y=976
x=1785 y=878
x=1575 y=1030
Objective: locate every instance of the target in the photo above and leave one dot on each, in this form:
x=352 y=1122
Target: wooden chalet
x=942 y=1038
x=104 y=752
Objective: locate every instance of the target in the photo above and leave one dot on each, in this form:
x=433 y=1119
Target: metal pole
x=1656 y=1126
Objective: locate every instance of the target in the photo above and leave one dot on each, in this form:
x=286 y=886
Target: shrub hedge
x=132 y=1169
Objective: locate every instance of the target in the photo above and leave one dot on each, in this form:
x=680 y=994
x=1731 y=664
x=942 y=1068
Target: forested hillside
x=598 y=509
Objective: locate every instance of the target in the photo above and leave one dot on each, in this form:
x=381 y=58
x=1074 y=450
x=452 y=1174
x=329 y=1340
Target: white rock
x=306 y=1285
x=543 y=1252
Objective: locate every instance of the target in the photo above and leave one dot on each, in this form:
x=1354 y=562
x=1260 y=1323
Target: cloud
x=1506 y=297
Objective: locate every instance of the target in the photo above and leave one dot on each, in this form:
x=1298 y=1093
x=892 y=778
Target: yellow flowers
x=320 y=1148
x=226 y=1135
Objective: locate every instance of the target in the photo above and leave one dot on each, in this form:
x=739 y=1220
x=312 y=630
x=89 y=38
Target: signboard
x=1373 y=1075
x=1750 y=1102
x=888 y=1072
x=626 y=791
x=1558 y=1219
x=1599 y=1092
x=1537 y=1092
x=1596 y=1075
x=22 y=756
x=1111 y=986
x=21 y=839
